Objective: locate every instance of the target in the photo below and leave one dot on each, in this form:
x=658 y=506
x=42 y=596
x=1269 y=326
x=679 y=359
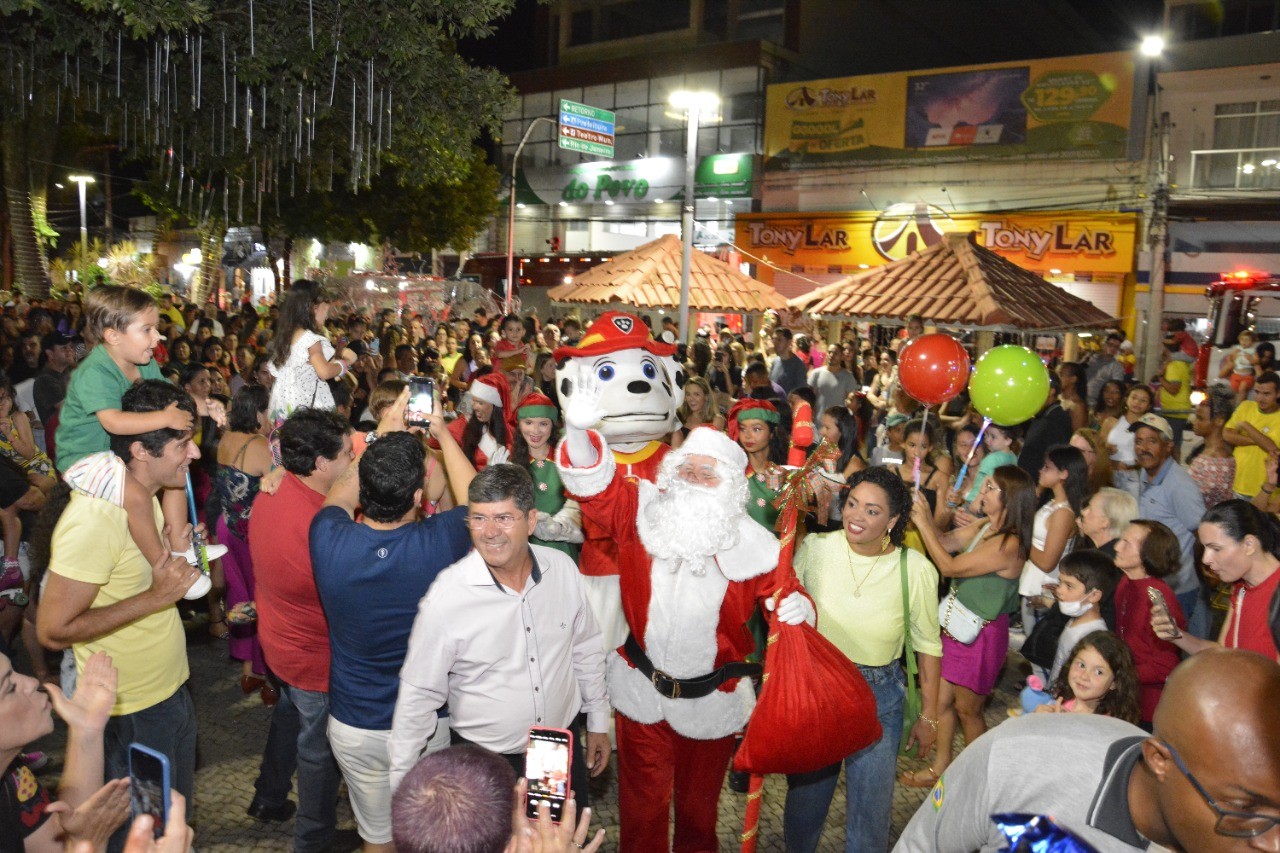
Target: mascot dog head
x=642 y=384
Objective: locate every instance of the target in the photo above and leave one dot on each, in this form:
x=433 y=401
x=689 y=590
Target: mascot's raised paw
x=583 y=411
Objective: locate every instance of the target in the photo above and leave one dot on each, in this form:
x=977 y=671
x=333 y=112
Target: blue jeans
x=297 y=740
x=168 y=727
x=869 y=778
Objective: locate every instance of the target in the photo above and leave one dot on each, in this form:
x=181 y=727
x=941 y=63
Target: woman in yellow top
x=854 y=576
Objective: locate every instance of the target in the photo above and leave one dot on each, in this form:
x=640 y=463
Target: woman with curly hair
x=855 y=576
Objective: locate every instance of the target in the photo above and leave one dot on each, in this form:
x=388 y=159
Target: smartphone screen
x=421 y=400
x=375 y=346
x=149 y=785
x=546 y=767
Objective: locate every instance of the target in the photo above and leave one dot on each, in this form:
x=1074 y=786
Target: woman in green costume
x=559 y=520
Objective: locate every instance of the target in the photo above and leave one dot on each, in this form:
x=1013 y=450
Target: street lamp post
x=84 y=216
x=695 y=105
x=511 y=216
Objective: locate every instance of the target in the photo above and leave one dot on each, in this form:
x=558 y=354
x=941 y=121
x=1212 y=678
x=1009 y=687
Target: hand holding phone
x=1161 y=619
x=547 y=761
x=421 y=401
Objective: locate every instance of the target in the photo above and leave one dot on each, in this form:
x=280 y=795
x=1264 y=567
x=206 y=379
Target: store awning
x=956 y=283
x=648 y=277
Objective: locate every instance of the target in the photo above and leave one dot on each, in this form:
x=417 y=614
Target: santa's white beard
x=688 y=523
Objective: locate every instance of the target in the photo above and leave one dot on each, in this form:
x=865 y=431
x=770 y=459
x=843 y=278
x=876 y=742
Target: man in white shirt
x=461 y=651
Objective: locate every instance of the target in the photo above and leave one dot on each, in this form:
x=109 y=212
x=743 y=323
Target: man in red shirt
x=315 y=447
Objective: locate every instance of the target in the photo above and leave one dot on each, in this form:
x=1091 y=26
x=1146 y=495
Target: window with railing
x=1246 y=148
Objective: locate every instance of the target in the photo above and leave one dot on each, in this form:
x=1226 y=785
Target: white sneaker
x=199 y=589
x=212 y=552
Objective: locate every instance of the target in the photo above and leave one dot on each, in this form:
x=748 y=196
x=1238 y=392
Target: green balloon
x=1009 y=385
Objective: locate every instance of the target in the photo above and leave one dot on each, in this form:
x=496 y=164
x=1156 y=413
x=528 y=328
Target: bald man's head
x=1218 y=715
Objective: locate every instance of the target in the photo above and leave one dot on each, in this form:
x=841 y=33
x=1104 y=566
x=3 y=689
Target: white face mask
x=1074 y=608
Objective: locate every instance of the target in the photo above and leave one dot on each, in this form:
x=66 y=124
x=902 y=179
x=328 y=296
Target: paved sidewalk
x=233 y=729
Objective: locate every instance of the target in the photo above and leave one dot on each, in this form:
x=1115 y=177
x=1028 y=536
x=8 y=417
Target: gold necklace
x=857 y=590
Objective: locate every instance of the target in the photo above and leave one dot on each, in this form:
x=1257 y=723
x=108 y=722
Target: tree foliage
x=266 y=98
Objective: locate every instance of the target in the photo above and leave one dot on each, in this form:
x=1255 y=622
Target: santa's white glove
x=499 y=455
x=794 y=609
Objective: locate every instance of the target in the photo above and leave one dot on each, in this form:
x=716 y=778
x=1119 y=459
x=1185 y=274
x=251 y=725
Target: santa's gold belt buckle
x=665 y=684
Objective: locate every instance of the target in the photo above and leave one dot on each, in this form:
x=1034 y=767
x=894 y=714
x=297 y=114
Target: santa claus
x=640 y=385
x=693 y=567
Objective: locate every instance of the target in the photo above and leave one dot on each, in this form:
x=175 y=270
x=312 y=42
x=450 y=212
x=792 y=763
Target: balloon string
x=977 y=442
x=924 y=430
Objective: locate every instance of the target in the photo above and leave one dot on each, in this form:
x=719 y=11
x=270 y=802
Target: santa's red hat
x=614 y=331
x=748 y=409
x=492 y=388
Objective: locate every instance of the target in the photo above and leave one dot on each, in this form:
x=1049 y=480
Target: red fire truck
x=1235 y=304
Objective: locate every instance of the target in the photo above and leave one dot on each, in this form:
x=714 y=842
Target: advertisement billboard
x=1075 y=107
x=1067 y=241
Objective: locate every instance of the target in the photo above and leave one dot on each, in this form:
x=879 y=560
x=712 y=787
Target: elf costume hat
x=749 y=410
x=614 y=331
x=538 y=405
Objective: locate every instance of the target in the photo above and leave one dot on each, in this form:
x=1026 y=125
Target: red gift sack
x=815 y=708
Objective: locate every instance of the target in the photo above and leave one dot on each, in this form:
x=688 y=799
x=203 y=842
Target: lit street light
x=694 y=104
x=84 y=217
x=1152 y=45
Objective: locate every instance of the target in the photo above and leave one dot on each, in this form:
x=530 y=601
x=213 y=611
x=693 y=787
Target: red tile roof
x=649 y=277
x=956 y=283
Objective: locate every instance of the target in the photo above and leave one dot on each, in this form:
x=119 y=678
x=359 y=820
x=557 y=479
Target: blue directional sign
x=586 y=129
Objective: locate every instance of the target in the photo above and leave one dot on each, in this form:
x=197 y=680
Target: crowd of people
x=411 y=593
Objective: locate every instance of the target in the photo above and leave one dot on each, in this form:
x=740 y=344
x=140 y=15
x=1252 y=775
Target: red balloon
x=933 y=368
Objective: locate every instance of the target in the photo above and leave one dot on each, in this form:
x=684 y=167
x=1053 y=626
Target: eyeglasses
x=506 y=521
x=699 y=473
x=1231 y=824
x=990 y=486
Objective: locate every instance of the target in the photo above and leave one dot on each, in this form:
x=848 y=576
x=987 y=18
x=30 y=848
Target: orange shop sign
x=1069 y=241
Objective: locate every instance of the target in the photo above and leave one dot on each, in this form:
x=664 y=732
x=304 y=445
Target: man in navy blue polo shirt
x=371 y=575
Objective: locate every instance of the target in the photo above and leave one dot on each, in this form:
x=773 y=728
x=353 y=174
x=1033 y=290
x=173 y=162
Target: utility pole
x=1158 y=243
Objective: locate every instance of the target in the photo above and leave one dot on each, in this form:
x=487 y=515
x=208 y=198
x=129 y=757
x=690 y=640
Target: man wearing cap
x=1167 y=494
x=693 y=569
x=50 y=387
x=641 y=386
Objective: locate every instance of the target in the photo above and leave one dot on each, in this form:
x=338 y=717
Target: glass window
x=599 y=96
x=671 y=143
x=632 y=93
x=630 y=145
x=565 y=94
x=663 y=116
x=580 y=27
x=538 y=104
x=631 y=18
x=737 y=81
x=631 y=120
x=660 y=89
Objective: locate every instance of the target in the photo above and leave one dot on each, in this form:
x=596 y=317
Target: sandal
x=224 y=634
x=912 y=779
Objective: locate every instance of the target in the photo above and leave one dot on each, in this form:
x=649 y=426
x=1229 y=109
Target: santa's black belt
x=685 y=688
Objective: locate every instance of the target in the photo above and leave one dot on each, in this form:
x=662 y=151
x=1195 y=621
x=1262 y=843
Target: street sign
x=586 y=129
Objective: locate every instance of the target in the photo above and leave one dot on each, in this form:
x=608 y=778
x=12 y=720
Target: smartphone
x=421 y=400
x=375 y=346
x=546 y=768
x=149 y=785
x=1158 y=602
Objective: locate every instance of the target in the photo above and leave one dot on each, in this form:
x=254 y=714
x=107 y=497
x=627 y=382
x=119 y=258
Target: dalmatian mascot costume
x=641 y=385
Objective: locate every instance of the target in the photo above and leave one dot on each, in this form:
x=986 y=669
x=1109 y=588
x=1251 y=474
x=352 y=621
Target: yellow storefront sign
x=1067 y=241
